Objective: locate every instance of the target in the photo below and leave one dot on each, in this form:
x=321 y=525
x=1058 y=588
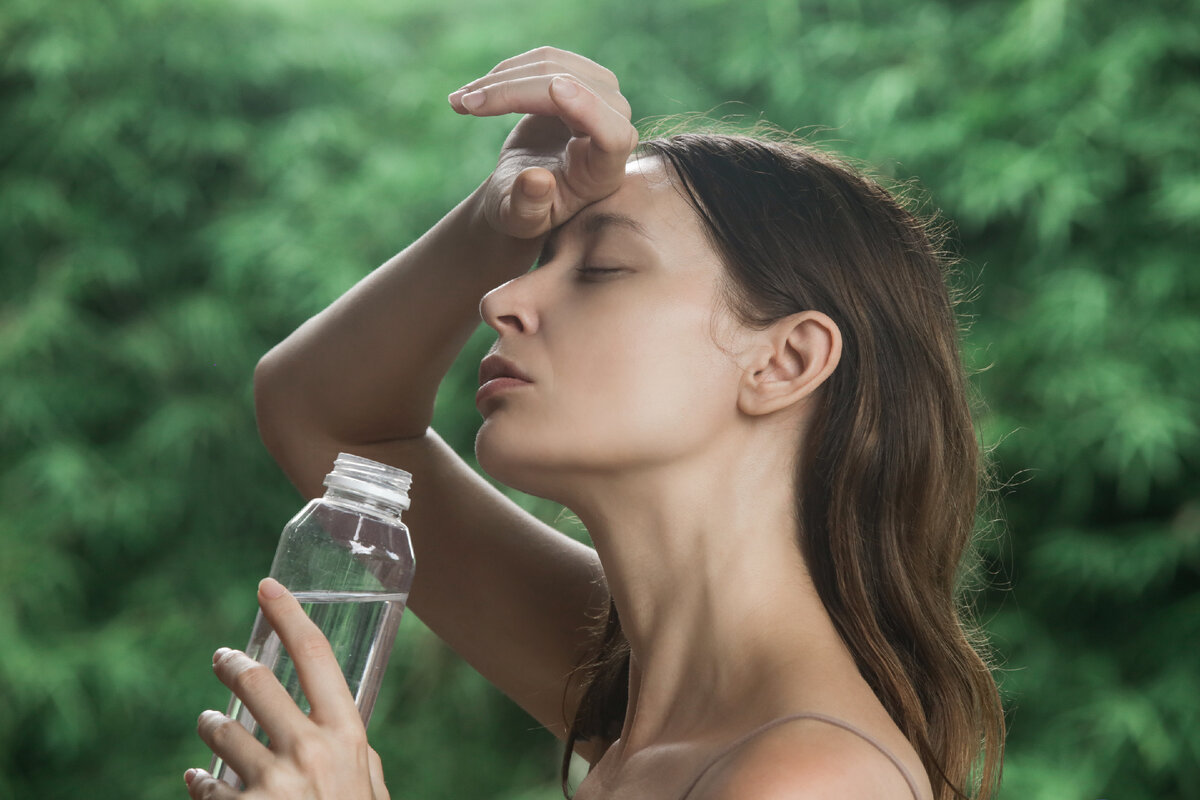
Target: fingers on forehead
x=565 y=58
x=587 y=114
x=528 y=92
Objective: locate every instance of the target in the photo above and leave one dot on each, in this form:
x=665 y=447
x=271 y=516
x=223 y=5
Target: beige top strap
x=846 y=726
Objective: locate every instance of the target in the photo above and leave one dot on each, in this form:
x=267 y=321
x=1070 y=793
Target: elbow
x=270 y=397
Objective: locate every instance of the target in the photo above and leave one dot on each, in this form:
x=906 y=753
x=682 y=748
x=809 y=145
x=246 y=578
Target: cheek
x=654 y=388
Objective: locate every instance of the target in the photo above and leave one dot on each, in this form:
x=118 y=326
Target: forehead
x=646 y=206
x=649 y=192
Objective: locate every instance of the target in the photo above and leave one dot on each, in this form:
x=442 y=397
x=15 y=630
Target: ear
x=790 y=360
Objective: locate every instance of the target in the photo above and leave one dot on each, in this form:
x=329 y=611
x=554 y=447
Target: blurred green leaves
x=181 y=184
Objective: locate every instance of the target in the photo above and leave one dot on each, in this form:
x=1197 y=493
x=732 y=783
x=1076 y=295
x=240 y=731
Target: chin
x=509 y=462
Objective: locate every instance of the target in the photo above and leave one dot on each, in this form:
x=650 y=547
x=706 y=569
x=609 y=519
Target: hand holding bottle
x=320 y=755
x=570 y=149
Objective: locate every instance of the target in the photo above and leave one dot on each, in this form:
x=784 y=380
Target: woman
x=736 y=362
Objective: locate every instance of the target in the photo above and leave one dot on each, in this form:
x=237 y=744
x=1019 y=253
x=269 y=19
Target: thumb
x=526 y=210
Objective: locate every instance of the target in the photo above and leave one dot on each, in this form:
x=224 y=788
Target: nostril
x=512 y=321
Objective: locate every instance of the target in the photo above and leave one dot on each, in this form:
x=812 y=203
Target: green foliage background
x=181 y=184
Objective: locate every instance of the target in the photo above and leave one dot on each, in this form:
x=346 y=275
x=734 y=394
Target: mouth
x=496 y=366
x=497 y=375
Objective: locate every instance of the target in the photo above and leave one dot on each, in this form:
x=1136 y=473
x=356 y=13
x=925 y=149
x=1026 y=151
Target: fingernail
x=564 y=88
x=473 y=100
x=187 y=776
x=271 y=588
x=220 y=652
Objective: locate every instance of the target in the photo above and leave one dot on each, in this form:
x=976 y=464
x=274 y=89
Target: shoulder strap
x=846 y=726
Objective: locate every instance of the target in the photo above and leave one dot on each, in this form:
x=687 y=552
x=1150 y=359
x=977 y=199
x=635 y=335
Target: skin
x=672 y=431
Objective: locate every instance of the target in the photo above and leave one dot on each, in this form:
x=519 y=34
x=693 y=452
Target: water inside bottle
x=351 y=621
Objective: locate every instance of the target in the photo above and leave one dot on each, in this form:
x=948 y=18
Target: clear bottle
x=347 y=558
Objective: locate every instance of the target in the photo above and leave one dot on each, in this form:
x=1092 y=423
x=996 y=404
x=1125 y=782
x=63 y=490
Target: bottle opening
x=381 y=482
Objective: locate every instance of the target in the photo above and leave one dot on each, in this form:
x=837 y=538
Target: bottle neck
x=362 y=503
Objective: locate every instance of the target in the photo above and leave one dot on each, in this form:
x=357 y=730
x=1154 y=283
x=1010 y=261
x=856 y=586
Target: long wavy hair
x=888 y=487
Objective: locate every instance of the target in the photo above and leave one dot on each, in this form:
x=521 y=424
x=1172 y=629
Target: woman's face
x=617 y=329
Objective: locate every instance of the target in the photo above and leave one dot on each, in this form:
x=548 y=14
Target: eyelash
x=584 y=273
x=594 y=273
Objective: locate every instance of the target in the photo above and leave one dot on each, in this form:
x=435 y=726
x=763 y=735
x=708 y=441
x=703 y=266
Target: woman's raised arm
x=507 y=592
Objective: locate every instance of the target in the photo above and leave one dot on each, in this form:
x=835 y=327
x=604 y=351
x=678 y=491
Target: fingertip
x=474 y=101
x=563 y=89
x=194 y=779
x=525 y=218
x=271 y=588
x=209 y=714
x=536 y=184
x=204 y=785
x=456 y=103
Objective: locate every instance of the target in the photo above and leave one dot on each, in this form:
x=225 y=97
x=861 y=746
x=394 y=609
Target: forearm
x=367 y=368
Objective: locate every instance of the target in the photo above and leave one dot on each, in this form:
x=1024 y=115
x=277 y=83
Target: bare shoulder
x=807 y=760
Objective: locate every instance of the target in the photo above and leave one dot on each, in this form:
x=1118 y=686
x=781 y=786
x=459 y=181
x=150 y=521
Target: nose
x=508 y=308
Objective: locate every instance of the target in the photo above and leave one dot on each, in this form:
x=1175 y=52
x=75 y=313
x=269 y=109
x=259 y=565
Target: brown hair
x=888 y=489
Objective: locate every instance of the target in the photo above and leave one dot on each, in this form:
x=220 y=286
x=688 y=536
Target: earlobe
x=793 y=358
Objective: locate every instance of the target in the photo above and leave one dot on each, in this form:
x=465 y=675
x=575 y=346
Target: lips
x=496 y=366
x=497 y=375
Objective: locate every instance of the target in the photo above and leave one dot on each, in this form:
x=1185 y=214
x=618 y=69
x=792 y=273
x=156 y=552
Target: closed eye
x=596 y=273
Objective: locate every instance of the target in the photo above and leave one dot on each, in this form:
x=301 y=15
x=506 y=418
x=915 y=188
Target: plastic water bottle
x=348 y=559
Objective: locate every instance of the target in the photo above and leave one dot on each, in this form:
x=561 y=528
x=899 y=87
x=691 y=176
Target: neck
x=703 y=563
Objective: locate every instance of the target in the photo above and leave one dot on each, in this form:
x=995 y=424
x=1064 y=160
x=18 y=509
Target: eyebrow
x=594 y=224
